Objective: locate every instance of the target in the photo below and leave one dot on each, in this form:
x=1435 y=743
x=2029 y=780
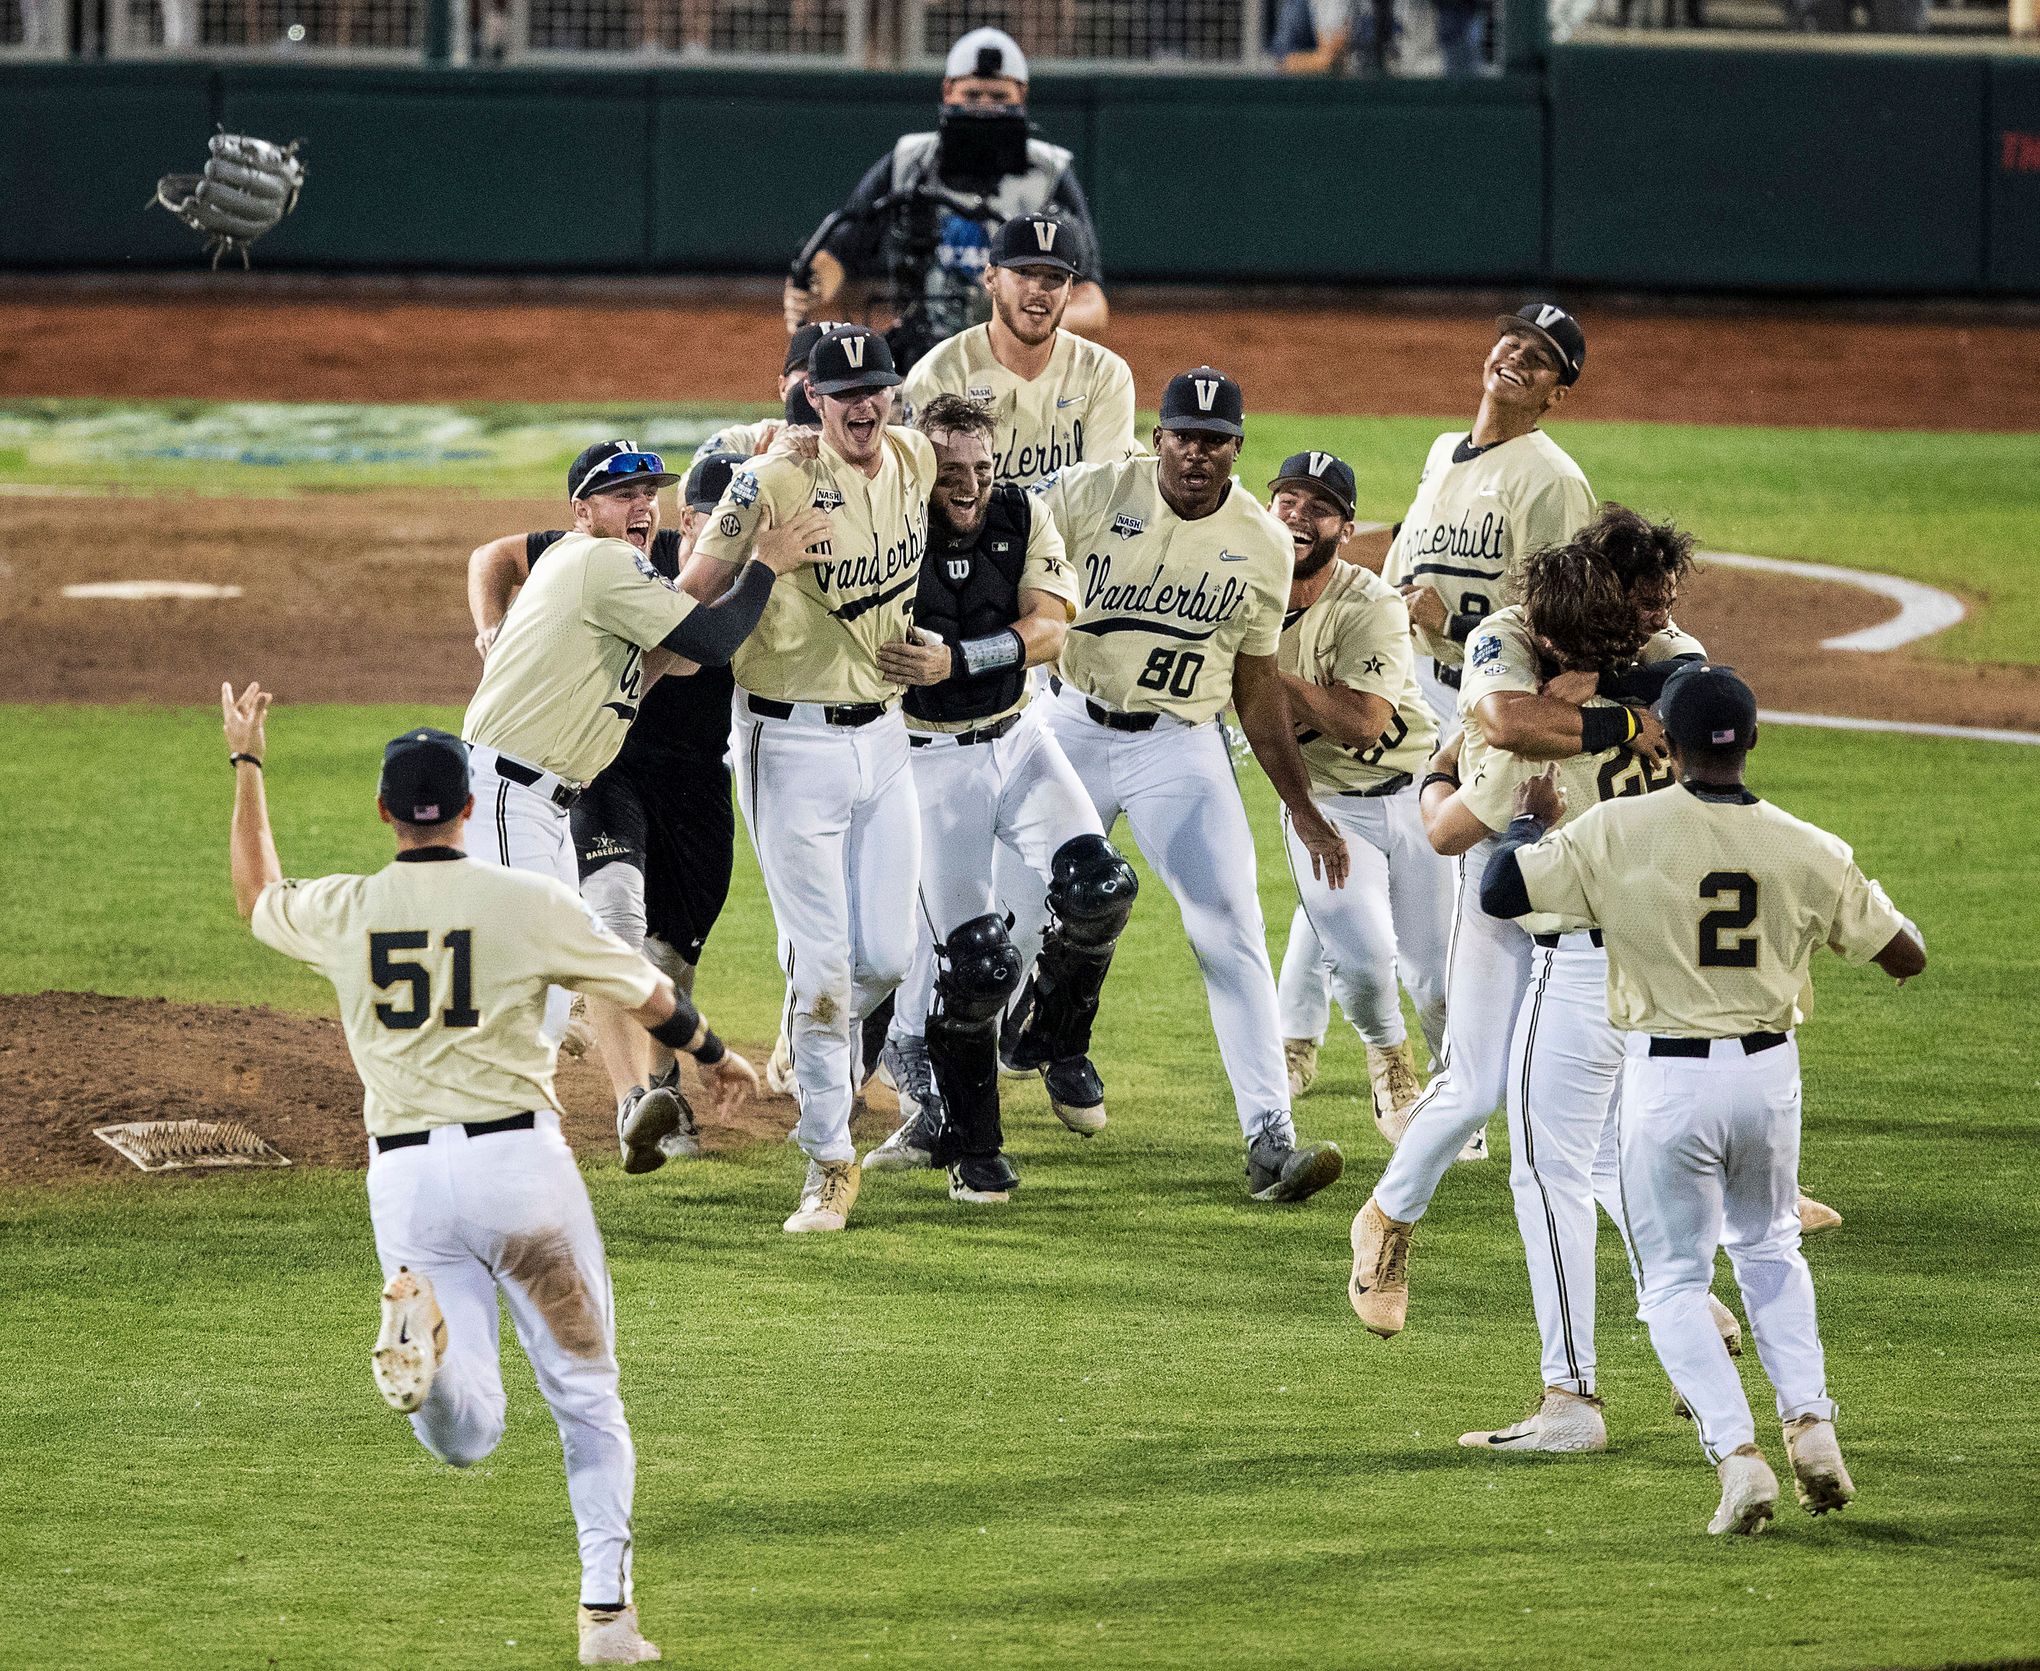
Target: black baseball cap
x=1560 y=331
x=1705 y=706
x=802 y=343
x=1038 y=241
x=614 y=464
x=706 y=481
x=850 y=359
x=1326 y=472
x=424 y=776
x=1204 y=399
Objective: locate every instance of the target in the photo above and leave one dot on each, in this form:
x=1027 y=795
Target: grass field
x=1129 y=1421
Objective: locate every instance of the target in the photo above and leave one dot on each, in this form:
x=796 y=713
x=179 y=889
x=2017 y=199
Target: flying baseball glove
x=248 y=186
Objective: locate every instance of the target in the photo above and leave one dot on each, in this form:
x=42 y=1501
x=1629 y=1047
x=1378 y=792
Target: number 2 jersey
x=1478 y=514
x=1712 y=905
x=1166 y=604
x=441 y=966
x=1356 y=633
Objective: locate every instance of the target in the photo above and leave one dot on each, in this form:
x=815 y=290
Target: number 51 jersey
x=441 y=966
x=1166 y=604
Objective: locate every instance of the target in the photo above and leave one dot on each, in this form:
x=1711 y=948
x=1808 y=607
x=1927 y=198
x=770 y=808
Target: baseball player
x=747 y=440
x=1366 y=732
x=1505 y=709
x=1712 y=903
x=1489 y=497
x=1057 y=399
x=442 y=967
x=653 y=834
x=995 y=598
x=822 y=772
x=565 y=673
x=1185 y=580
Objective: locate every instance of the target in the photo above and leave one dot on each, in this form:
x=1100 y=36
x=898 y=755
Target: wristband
x=711 y=1050
x=1526 y=829
x=1459 y=628
x=235 y=760
x=992 y=652
x=1604 y=728
x=1437 y=777
x=677 y=1031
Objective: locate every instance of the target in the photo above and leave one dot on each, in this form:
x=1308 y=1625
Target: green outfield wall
x=1682 y=168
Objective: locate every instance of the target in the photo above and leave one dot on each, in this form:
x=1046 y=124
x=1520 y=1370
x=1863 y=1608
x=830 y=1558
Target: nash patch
x=743 y=488
x=1127 y=527
x=978 y=394
x=828 y=499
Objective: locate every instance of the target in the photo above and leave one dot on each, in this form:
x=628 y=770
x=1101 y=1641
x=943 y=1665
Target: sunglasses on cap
x=617 y=469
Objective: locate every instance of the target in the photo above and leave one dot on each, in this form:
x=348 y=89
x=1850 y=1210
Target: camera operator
x=915 y=234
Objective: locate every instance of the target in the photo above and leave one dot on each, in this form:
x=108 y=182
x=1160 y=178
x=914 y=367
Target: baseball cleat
x=779 y=1067
x=1816 y=1215
x=903 y=1065
x=909 y=1149
x=1393 y=1078
x=1077 y=1094
x=644 y=1120
x=610 y=1636
x=684 y=1141
x=1562 y=1424
x=1380 y=1284
x=982 y=1178
x=412 y=1343
x=1819 y=1480
x=1476 y=1147
x=579 y=1038
x=1749 y=1493
x=827 y=1196
x=1300 y=1055
x=1280 y=1170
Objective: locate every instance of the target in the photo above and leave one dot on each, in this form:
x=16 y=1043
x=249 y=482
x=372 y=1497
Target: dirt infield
x=287 y=1077
x=1792 y=368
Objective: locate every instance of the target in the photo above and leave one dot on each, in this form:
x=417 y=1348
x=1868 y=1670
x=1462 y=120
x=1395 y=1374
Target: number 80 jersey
x=1166 y=604
x=441 y=966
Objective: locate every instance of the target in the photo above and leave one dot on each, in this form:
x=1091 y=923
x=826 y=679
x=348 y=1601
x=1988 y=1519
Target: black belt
x=1388 y=786
x=1751 y=1043
x=1550 y=943
x=1446 y=674
x=474 y=1128
x=835 y=713
x=517 y=772
x=963 y=739
x=1115 y=721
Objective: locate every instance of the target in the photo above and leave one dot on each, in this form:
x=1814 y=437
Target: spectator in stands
x=916 y=231
x=1383 y=37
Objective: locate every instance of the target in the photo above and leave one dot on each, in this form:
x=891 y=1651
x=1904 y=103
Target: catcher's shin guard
x=976 y=972
x=1090 y=895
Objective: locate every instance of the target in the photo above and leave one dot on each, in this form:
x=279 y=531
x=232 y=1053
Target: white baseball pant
x=1565 y=1071
x=1443 y=698
x=837 y=828
x=1015 y=795
x=1710 y=1159
x=519 y=826
x=508 y=1212
x=1393 y=916
x=1176 y=786
x=1489 y=966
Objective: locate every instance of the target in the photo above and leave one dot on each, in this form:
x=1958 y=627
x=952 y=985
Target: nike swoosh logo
x=623 y=710
x=404 y=1334
x=1075 y=400
x=1505 y=1439
x=1232 y=556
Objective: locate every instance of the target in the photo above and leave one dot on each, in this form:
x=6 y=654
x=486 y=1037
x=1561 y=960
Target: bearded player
x=1185 y=581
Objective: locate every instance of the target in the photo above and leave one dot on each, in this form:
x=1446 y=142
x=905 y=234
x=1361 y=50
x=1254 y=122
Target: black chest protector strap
x=972 y=590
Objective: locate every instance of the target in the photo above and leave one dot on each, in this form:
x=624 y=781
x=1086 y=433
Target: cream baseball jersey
x=1712 y=906
x=745 y=440
x=1478 y=513
x=1165 y=605
x=1078 y=411
x=819 y=636
x=1356 y=633
x=441 y=966
x=564 y=676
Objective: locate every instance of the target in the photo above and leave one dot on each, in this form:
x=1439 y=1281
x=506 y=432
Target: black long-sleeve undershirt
x=711 y=633
x=1502 y=892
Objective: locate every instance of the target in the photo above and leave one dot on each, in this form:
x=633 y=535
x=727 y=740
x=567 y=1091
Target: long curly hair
x=1583 y=597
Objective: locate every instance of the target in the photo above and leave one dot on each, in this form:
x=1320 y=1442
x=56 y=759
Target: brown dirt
x=287 y=1077
x=1372 y=356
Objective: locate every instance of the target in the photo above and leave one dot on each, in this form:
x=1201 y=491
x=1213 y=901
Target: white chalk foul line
x=133 y=591
x=1905 y=727
x=1922 y=610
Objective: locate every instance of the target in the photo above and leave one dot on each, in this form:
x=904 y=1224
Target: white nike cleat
x=412 y=1344
x=827 y=1196
x=1379 y=1286
x=1749 y=1493
x=779 y=1067
x=1819 y=1480
x=1815 y=1216
x=1563 y=1424
x=1392 y=1077
x=1476 y=1147
x=610 y=1636
x=1300 y=1057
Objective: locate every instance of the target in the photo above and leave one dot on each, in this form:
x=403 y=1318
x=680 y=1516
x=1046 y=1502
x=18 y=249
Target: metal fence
x=35 y=28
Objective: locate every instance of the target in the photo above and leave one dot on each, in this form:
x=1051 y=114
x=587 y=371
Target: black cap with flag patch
x=707 y=480
x=613 y=464
x=1705 y=706
x=1038 y=241
x=424 y=776
x=1325 y=473
x=1560 y=331
x=849 y=360
x=1206 y=400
